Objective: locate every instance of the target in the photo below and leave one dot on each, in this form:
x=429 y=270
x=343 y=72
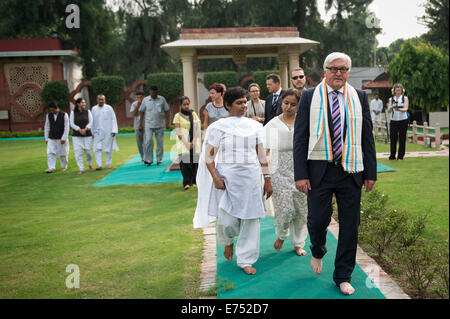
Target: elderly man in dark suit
x=334 y=153
x=273 y=100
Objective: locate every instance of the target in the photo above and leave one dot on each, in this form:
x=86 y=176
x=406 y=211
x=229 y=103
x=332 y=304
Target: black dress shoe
x=391 y=158
x=159 y=163
x=147 y=163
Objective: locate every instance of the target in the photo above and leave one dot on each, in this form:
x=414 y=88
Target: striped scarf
x=320 y=144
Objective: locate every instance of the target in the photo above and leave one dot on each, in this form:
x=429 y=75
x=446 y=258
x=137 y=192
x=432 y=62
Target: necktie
x=336 y=118
x=275 y=99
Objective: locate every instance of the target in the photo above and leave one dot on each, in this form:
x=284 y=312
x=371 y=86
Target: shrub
x=110 y=86
x=417 y=261
x=56 y=91
x=229 y=78
x=169 y=85
x=260 y=78
x=441 y=270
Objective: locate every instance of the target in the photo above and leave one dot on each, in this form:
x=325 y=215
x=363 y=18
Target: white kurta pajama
x=54 y=146
x=240 y=206
x=103 y=125
x=290 y=205
x=81 y=143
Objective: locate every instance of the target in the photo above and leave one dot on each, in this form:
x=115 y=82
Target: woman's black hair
x=231 y=95
x=77 y=101
x=290 y=92
x=182 y=98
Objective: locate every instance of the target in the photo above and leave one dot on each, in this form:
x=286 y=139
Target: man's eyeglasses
x=298 y=77
x=334 y=70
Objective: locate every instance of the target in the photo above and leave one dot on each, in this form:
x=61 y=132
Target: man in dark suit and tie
x=334 y=155
x=273 y=100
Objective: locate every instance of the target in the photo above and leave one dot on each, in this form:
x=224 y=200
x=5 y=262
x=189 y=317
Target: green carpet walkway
x=135 y=172
x=284 y=275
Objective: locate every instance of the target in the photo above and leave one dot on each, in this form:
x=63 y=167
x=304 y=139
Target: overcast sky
x=398 y=18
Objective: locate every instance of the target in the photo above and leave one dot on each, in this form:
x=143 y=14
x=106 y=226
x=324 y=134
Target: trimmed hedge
x=229 y=78
x=260 y=78
x=169 y=85
x=111 y=86
x=56 y=91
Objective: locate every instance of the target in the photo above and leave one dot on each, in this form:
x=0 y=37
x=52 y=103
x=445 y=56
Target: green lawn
x=420 y=185
x=132 y=241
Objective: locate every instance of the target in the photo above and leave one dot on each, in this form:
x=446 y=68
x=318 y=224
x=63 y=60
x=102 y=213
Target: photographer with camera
x=398 y=105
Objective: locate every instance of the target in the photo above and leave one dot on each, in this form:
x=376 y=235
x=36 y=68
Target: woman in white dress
x=81 y=123
x=290 y=205
x=230 y=183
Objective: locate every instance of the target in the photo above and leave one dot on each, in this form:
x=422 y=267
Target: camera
x=395 y=105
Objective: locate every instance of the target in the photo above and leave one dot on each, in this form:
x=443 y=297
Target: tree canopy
x=423 y=71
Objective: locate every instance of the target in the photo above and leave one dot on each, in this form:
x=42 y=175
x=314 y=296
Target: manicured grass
x=132 y=241
x=381 y=147
x=420 y=185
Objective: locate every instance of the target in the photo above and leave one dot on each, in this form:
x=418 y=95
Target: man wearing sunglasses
x=298 y=80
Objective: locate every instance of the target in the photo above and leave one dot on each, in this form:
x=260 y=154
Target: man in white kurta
x=104 y=129
x=56 y=132
x=376 y=107
x=241 y=205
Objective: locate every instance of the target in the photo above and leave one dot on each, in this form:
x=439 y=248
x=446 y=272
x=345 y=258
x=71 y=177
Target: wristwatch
x=267 y=176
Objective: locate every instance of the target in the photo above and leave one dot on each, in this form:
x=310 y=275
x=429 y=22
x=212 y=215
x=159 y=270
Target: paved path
x=380 y=278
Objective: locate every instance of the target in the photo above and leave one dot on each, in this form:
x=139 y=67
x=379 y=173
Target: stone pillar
x=189 y=60
x=293 y=60
x=284 y=72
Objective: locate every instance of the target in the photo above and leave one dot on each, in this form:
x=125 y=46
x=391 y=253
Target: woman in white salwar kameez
x=290 y=205
x=230 y=181
x=81 y=123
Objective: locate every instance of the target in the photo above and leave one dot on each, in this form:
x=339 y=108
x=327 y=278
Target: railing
x=382 y=130
x=427 y=137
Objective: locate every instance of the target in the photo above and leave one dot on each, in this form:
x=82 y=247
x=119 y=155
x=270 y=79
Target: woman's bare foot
x=316 y=265
x=228 y=252
x=346 y=288
x=80 y=172
x=278 y=244
x=300 y=251
x=90 y=167
x=249 y=270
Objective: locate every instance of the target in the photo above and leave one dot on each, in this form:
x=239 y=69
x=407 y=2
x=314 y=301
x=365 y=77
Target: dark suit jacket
x=270 y=110
x=314 y=170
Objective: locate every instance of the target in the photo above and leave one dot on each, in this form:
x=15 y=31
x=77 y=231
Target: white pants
x=55 y=149
x=80 y=145
x=99 y=158
x=290 y=218
x=51 y=161
x=248 y=232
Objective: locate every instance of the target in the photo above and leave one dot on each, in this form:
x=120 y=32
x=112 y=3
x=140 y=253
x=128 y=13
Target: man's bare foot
x=278 y=244
x=346 y=288
x=300 y=251
x=63 y=169
x=228 y=252
x=316 y=265
x=249 y=270
x=49 y=171
x=80 y=172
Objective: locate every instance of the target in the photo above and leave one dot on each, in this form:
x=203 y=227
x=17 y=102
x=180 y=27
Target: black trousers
x=189 y=166
x=398 y=133
x=348 y=194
